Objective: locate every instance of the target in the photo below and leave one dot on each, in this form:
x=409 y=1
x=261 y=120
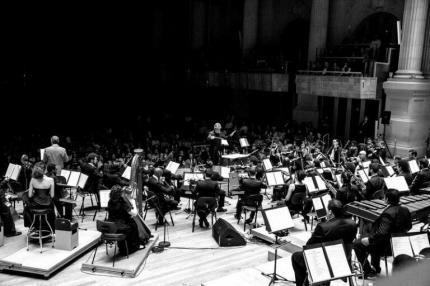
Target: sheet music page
x=419 y=242
x=225 y=172
x=127 y=173
x=279 y=219
x=15 y=172
x=317 y=264
x=337 y=258
x=401 y=245
x=398 y=183
x=366 y=164
x=320 y=170
x=73 y=179
x=363 y=176
x=82 y=180
x=9 y=170
x=390 y=170
x=310 y=184
x=187 y=178
x=233 y=180
x=279 y=178
x=243 y=142
x=267 y=164
x=414 y=166
x=271 y=181
x=326 y=199
x=224 y=142
x=104 y=198
x=339 y=180
x=65 y=174
x=172 y=167
x=42 y=153
x=320 y=183
x=317 y=203
x=323 y=165
x=199 y=176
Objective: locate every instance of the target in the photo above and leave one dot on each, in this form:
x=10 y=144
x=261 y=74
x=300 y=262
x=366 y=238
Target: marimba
x=419 y=207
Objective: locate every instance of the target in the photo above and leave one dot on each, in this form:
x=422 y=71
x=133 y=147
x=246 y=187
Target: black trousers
x=299 y=266
x=363 y=252
x=6 y=218
x=221 y=200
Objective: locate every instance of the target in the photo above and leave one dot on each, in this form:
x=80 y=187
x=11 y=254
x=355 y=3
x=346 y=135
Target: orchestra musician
x=403 y=170
x=375 y=182
x=298 y=187
x=394 y=219
x=25 y=174
x=5 y=214
x=215 y=147
x=250 y=186
x=422 y=178
x=164 y=192
x=91 y=169
x=348 y=192
x=338 y=227
x=336 y=152
x=207 y=191
x=56 y=154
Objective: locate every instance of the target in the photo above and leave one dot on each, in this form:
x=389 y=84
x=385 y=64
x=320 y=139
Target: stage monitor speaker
x=385 y=116
x=226 y=235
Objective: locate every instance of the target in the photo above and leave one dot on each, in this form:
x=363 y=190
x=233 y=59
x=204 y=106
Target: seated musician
x=362 y=157
x=422 y=178
x=169 y=180
x=51 y=172
x=5 y=214
x=91 y=169
x=164 y=192
x=403 y=170
x=375 y=183
x=394 y=219
x=339 y=227
x=41 y=193
x=348 y=192
x=121 y=213
x=250 y=186
x=206 y=188
x=298 y=187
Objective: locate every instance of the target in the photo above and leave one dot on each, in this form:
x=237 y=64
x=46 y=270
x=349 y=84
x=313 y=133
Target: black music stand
x=276 y=222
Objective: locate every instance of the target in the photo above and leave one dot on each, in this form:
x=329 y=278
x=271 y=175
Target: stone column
x=426 y=52
x=250 y=26
x=318 y=27
x=412 y=44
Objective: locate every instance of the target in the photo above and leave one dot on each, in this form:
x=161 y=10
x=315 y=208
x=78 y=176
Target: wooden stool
x=39 y=233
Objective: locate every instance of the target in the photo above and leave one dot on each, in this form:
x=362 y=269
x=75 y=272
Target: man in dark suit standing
x=422 y=179
x=339 y=227
x=251 y=187
x=163 y=191
x=206 y=192
x=394 y=219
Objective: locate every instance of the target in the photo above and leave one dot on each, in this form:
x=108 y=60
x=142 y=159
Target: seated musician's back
x=207 y=187
x=422 y=179
x=339 y=227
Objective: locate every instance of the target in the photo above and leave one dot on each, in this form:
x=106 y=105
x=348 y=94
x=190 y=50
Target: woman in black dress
x=120 y=212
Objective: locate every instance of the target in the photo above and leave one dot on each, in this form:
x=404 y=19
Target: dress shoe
x=201 y=223
x=221 y=210
x=206 y=222
x=16 y=233
x=249 y=221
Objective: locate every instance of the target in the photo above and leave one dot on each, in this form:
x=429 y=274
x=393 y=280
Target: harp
x=136 y=179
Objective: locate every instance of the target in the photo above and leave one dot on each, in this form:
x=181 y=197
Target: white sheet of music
x=9 y=170
x=42 y=153
x=243 y=142
x=366 y=164
x=267 y=164
x=320 y=171
x=224 y=142
x=225 y=172
x=127 y=173
x=401 y=245
x=172 y=167
x=398 y=183
x=413 y=166
x=317 y=203
x=279 y=219
x=419 y=242
x=390 y=170
x=337 y=258
x=271 y=181
x=320 y=183
x=73 y=179
x=82 y=180
x=323 y=165
x=317 y=264
x=339 y=180
x=65 y=174
x=363 y=176
x=104 y=198
x=326 y=199
x=310 y=184
x=15 y=172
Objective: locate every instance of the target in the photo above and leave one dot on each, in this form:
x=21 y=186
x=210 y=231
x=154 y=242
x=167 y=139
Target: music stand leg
x=273 y=276
x=164 y=243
